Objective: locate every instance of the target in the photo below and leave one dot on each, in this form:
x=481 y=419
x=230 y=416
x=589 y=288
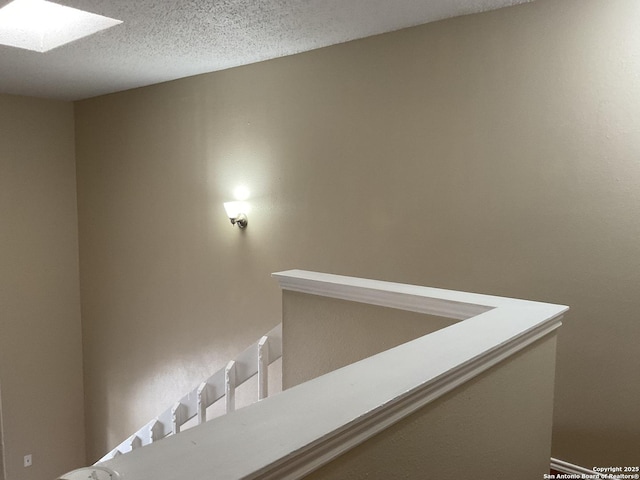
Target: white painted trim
x=263 y=368
x=340 y=410
x=177 y=417
x=95 y=472
x=230 y=387
x=376 y=421
x=432 y=301
x=570 y=468
x=201 y=403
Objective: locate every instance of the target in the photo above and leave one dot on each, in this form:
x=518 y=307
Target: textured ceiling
x=165 y=40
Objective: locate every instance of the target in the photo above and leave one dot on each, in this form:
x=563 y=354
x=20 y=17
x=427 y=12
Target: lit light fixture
x=237 y=213
x=41 y=26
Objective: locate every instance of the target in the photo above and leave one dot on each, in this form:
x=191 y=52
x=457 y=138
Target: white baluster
x=155 y=431
x=230 y=386
x=176 y=417
x=202 y=403
x=136 y=442
x=263 y=367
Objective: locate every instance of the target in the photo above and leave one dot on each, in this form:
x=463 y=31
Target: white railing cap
x=428 y=300
x=293 y=433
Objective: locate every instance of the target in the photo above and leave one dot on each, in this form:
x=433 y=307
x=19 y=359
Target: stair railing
x=254 y=360
x=292 y=434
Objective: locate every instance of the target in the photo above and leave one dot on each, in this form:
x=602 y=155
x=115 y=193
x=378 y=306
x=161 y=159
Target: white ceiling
x=167 y=39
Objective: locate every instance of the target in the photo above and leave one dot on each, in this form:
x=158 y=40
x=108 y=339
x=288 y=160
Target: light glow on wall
x=40 y=26
x=241 y=193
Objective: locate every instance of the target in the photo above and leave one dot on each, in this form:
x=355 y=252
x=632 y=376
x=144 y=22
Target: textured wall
x=322 y=334
x=40 y=334
x=470 y=432
x=495 y=153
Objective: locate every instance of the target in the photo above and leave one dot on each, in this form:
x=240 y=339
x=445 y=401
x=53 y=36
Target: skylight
x=41 y=26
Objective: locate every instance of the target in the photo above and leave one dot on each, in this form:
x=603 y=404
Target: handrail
x=342 y=409
x=254 y=360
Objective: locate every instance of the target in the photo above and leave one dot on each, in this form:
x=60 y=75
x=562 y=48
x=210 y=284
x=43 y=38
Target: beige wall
x=495 y=153
x=40 y=334
x=321 y=334
x=470 y=432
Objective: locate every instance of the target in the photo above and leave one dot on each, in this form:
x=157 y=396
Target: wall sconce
x=236 y=211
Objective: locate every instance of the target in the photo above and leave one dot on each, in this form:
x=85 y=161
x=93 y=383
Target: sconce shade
x=237 y=212
x=234 y=209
